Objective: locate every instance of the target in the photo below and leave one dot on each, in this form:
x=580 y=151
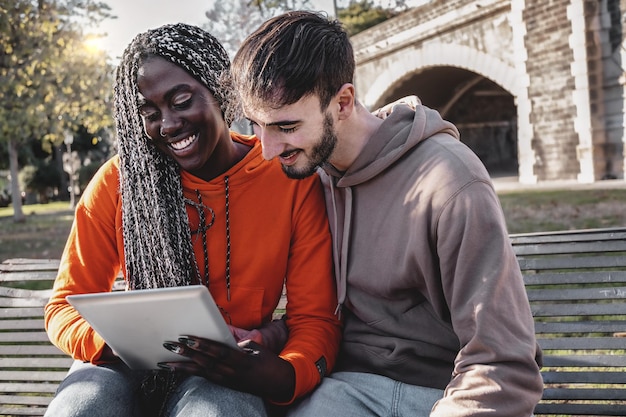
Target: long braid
x=157 y=240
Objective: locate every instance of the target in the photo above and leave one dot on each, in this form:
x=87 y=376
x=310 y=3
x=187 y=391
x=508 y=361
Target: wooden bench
x=30 y=366
x=576 y=283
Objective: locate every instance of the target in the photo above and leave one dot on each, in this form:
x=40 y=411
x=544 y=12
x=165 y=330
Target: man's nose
x=269 y=142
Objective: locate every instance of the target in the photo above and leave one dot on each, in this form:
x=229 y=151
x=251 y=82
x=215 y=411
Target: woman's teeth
x=182 y=144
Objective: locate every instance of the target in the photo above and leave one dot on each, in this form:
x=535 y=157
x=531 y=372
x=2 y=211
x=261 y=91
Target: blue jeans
x=356 y=394
x=114 y=391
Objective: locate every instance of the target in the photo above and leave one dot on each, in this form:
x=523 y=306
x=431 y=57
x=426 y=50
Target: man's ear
x=346 y=100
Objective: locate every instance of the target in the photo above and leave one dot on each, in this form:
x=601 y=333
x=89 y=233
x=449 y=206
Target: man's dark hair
x=293 y=55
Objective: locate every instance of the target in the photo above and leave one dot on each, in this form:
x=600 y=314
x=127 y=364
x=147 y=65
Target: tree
x=269 y=8
x=363 y=14
x=231 y=21
x=49 y=81
x=40 y=178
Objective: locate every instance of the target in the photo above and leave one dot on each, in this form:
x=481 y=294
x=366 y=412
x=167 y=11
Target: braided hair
x=157 y=241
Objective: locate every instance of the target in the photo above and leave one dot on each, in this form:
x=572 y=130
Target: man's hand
x=273 y=335
x=250 y=368
x=386 y=110
x=241 y=335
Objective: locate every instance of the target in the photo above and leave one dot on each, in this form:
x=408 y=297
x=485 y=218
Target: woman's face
x=180 y=115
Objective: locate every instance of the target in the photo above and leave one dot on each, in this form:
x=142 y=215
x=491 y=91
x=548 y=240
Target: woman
x=184 y=202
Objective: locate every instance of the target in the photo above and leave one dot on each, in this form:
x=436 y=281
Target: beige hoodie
x=431 y=290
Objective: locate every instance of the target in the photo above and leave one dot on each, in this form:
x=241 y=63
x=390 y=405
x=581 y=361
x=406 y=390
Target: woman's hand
x=250 y=368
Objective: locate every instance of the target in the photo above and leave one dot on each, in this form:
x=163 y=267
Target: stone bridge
x=536 y=87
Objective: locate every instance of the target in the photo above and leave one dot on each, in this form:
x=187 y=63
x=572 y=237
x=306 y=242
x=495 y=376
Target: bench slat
x=579 y=327
x=571 y=247
x=22 y=302
x=22 y=324
x=582 y=377
x=21 y=312
x=24 y=337
x=584 y=394
x=541 y=310
x=573 y=277
x=584 y=361
x=569 y=262
x=581 y=343
x=34 y=376
x=22 y=293
x=580 y=235
x=43 y=387
x=25 y=400
x=29 y=264
x=580 y=294
x=571 y=409
x=36 y=362
x=30 y=350
x=25 y=411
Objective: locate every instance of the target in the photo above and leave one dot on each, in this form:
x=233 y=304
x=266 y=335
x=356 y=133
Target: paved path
x=506 y=184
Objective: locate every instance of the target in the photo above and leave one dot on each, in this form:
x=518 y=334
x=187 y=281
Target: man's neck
x=352 y=136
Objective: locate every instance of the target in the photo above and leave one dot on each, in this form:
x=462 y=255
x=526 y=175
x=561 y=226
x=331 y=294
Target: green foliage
x=86 y=173
x=50 y=80
x=41 y=178
x=363 y=14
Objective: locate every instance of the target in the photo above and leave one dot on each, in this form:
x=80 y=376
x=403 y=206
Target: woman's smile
x=183 y=143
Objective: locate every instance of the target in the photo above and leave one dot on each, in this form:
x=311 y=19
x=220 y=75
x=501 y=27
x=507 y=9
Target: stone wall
x=560 y=60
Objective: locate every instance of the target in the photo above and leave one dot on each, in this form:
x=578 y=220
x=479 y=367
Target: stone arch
x=442 y=54
x=436 y=54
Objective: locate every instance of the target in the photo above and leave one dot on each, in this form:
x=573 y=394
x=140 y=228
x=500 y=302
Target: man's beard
x=320 y=154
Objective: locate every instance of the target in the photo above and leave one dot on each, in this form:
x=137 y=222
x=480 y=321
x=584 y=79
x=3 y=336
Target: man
x=436 y=318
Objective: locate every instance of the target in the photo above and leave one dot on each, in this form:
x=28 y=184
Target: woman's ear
x=346 y=101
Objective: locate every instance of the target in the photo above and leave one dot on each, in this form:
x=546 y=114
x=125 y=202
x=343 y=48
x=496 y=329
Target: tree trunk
x=63 y=188
x=16 y=194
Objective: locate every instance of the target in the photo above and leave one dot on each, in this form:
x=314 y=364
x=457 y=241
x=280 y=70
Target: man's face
x=299 y=134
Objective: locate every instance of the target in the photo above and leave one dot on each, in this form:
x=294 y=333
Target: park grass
x=41 y=236
x=537 y=211
x=47 y=226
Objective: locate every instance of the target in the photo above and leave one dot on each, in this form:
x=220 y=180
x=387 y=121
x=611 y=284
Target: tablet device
x=136 y=323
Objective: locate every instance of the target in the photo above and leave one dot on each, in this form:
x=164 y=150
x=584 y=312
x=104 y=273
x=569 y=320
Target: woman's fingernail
x=173 y=347
x=250 y=351
x=187 y=341
x=165 y=366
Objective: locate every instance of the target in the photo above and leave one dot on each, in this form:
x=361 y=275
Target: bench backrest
x=576 y=284
x=30 y=366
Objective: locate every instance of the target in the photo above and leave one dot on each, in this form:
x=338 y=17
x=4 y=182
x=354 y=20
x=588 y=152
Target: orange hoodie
x=279 y=233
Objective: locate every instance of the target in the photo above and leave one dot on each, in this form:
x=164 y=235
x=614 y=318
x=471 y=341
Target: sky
x=135 y=16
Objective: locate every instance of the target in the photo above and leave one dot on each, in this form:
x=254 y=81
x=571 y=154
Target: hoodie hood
x=401 y=131
x=398 y=134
